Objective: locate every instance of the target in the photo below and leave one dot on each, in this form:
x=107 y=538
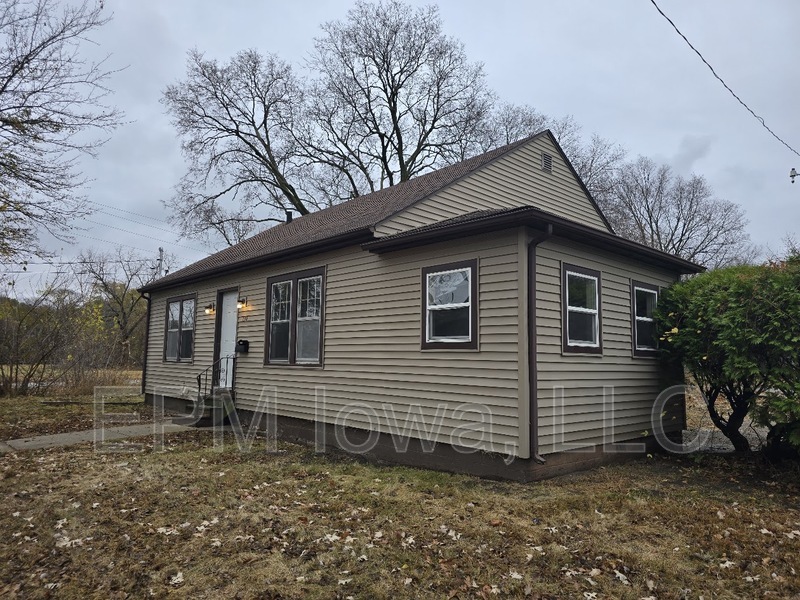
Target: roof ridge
x=358 y=215
x=496 y=154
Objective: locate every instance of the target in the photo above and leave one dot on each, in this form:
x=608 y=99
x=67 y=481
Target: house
x=480 y=318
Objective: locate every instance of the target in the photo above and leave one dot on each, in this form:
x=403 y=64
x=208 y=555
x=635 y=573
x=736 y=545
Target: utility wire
x=127 y=211
x=141 y=235
x=83 y=262
x=88 y=237
x=750 y=110
x=128 y=220
x=105 y=212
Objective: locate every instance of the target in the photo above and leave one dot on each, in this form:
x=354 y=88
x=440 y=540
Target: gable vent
x=547 y=162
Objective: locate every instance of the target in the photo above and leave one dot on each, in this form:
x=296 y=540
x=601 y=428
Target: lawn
x=27 y=416
x=204 y=522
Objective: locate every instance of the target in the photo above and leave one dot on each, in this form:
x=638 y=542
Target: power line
x=76 y=262
x=142 y=235
x=31 y=272
x=170 y=231
x=84 y=262
x=88 y=237
x=137 y=223
x=128 y=220
x=750 y=110
x=127 y=211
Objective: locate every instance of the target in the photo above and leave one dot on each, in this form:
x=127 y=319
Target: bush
x=737 y=331
x=780 y=409
x=707 y=328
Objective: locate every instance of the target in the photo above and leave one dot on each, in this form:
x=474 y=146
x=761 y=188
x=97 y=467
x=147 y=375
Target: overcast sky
x=616 y=65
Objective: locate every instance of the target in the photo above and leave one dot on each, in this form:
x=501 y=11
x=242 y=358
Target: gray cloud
x=615 y=65
x=691 y=149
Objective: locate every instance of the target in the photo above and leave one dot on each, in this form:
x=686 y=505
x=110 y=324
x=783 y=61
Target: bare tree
x=504 y=124
x=236 y=122
x=651 y=205
x=51 y=112
x=595 y=160
x=114 y=279
x=35 y=332
x=391 y=97
x=791 y=245
x=394 y=96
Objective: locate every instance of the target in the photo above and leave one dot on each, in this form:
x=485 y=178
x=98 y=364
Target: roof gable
x=357 y=220
x=349 y=220
x=516 y=178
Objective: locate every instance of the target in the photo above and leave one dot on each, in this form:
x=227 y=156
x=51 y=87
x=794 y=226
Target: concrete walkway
x=107 y=434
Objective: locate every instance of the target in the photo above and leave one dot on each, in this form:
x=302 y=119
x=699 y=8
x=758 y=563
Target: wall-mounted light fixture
x=211 y=308
x=241 y=302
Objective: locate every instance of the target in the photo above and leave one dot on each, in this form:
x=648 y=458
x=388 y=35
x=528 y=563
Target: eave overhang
x=334 y=243
x=490 y=221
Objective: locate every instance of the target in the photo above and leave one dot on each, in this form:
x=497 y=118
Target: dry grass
x=55 y=380
x=195 y=521
x=26 y=416
x=85 y=382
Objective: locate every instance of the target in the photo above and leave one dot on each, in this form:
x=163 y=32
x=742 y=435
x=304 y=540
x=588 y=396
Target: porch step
x=212 y=409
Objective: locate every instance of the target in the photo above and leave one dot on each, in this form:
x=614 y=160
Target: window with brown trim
x=295 y=318
x=450 y=306
x=644 y=298
x=179 y=329
x=581 y=310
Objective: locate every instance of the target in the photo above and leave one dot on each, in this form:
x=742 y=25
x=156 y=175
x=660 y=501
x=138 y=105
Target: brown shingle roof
x=351 y=220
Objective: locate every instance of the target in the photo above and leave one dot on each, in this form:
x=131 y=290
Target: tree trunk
x=730 y=427
x=740 y=443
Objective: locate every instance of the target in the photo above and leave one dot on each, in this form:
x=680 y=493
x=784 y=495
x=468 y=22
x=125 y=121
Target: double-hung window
x=644 y=298
x=294 y=331
x=581 y=310
x=450 y=306
x=179 y=338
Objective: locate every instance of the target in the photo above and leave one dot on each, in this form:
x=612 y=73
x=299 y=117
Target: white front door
x=227 y=338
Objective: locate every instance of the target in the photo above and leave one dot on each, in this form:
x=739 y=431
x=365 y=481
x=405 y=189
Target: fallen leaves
x=794 y=534
x=622 y=577
x=167 y=530
x=305 y=530
x=63 y=541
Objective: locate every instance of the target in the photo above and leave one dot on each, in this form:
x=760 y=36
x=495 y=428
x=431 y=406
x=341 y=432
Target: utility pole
x=160 y=264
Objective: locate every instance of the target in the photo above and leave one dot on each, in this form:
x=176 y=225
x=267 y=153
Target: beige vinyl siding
x=571 y=387
x=178 y=377
x=515 y=179
x=372 y=344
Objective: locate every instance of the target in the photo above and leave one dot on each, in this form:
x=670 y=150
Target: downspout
x=537 y=239
x=146 y=340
